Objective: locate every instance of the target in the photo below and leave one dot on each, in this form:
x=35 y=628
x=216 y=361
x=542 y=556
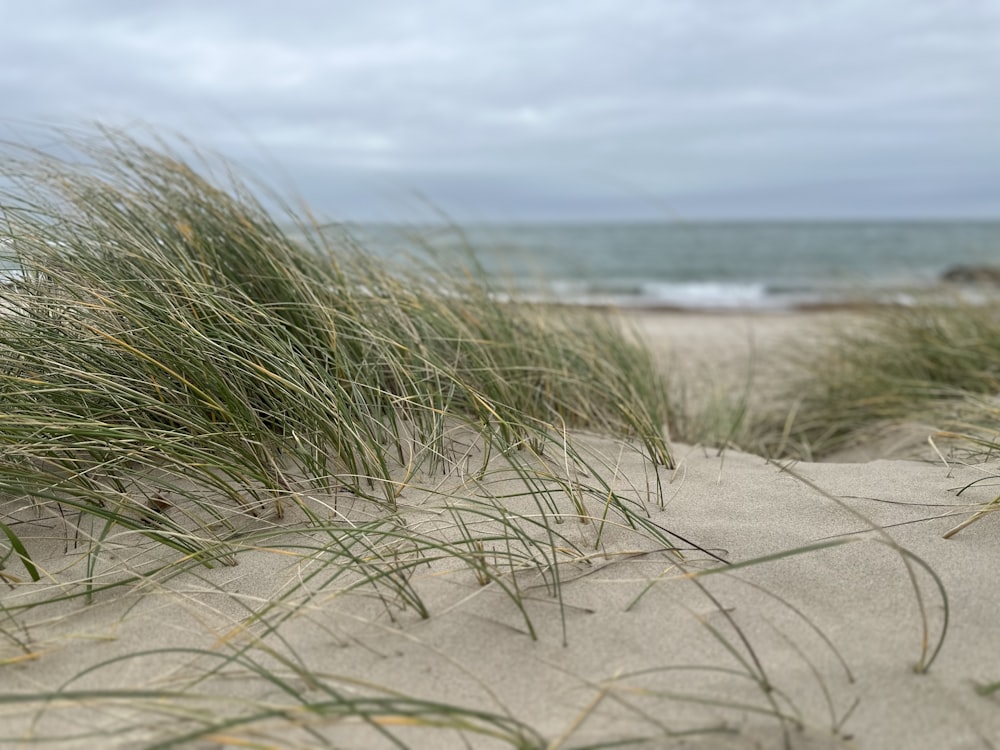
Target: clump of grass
x=925 y=364
x=169 y=326
x=177 y=373
x=927 y=373
x=174 y=366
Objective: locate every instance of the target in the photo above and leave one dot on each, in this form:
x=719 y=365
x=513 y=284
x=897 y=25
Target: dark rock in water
x=972 y=275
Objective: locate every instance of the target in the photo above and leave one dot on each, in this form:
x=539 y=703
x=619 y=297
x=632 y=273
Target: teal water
x=712 y=265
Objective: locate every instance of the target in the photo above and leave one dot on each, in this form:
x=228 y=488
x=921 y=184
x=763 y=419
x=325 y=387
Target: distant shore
x=704 y=266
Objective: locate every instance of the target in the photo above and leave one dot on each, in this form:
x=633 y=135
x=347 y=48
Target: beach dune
x=617 y=639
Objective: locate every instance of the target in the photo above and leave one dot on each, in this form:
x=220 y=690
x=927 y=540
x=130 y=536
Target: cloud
x=522 y=108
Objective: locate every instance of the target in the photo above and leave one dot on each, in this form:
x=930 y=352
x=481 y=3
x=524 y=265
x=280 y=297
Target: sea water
x=758 y=265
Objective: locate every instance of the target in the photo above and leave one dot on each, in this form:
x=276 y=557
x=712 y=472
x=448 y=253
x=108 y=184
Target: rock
x=972 y=275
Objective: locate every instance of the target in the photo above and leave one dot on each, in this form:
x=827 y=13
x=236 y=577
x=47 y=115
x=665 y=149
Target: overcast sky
x=531 y=110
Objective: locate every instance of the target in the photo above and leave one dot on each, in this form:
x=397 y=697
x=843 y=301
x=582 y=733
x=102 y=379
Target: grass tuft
x=168 y=328
x=186 y=379
x=932 y=364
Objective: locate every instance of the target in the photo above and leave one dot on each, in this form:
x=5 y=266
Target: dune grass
x=930 y=370
x=179 y=375
x=917 y=381
x=937 y=364
x=167 y=327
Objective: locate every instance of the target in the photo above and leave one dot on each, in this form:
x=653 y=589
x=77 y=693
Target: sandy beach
x=731 y=351
x=837 y=636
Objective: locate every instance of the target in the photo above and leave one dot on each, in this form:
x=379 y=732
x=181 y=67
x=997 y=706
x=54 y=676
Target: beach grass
x=932 y=364
x=165 y=327
x=920 y=378
x=178 y=374
x=915 y=381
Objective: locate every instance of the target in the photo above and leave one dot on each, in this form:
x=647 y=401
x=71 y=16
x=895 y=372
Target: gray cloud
x=730 y=108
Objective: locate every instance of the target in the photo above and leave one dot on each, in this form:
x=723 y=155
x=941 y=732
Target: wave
x=684 y=295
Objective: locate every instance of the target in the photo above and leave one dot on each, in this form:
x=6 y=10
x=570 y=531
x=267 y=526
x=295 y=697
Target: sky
x=525 y=110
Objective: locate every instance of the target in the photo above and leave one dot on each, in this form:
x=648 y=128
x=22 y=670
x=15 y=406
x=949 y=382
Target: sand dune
x=615 y=641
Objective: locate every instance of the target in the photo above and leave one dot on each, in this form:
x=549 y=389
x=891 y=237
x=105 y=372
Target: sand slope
x=633 y=651
x=600 y=636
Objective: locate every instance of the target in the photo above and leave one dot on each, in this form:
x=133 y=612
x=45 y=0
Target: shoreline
x=973 y=295
x=974 y=285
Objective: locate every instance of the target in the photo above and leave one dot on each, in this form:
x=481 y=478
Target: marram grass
x=922 y=379
x=168 y=328
x=896 y=374
x=178 y=375
x=933 y=364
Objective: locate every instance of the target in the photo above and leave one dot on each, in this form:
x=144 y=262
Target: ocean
x=704 y=266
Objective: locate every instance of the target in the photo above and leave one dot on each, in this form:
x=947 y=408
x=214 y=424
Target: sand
x=633 y=649
x=732 y=353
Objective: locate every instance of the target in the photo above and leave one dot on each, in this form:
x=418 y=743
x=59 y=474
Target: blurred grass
x=920 y=381
x=933 y=365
